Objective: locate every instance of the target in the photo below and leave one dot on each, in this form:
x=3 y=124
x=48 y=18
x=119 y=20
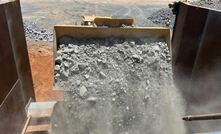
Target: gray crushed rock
x=163 y=17
x=113 y=85
x=214 y=4
x=37 y=33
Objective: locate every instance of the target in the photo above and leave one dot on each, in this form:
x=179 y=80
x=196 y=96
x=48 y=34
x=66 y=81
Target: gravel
x=214 y=4
x=37 y=33
x=113 y=86
x=163 y=17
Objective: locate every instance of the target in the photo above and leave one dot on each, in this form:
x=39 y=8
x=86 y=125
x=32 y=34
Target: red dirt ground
x=41 y=60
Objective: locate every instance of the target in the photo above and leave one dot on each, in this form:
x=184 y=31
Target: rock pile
x=163 y=17
x=37 y=33
x=214 y=4
x=113 y=85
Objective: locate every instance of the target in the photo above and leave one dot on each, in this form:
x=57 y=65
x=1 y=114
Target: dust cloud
x=116 y=86
x=167 y=119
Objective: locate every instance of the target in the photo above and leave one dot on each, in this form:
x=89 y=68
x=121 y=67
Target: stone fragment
x=92 y=99
x=68 y=50
x=58 y=60
x=137 y=58
x=66 y=64
x=102 y=75
x=86 y=77
x=156 y=48
x=64 y=74
x=74 y=70
x=132 y=43
x=82 y=66
x=76 y=49
x=82 y=91
x=57 y=68
x=78 y=82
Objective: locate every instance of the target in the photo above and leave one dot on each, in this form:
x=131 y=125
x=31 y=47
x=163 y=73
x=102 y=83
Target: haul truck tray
x=85 y=32
x=66 y=33
x=82 y=32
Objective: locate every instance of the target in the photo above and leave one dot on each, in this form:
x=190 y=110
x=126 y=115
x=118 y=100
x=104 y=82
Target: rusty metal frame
x=16 y=85
x=196 y=50
x=196 y=59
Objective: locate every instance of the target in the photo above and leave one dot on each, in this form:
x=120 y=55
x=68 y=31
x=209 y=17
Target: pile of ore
x=163 y=17
x=214 y=4
x=33 y=31
x=112 y=85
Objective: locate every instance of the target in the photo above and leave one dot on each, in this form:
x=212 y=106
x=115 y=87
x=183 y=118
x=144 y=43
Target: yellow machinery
x=89 y=20
x=106 y=21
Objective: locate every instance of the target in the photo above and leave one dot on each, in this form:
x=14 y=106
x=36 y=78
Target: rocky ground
x=115 y=86
x=144 y=15
x=163 y=17
x=40 y=17
x=36 y=32
x=213 y=4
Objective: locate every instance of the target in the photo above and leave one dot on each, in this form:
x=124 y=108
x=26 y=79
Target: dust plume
x=116 y=86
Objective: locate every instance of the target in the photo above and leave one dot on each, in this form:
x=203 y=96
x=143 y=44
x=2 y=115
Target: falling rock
x=148 y=82
x=156 y=48
x=102 y=75
x=57 y=68
x=92 y=100
x=78 y=82
x=68 y=50
x=70 y=45
x=99 y=60
x=163 y=56
x=58 y=60
x=82 y=66
x=74 y=70
x=59 y=53
x=82 y=91
x=66 y=64
x=137 y=58
x=76 y=50
x=64 y=75
x=132 y=43
x=65 y=56
x=57 y=75
x=86 y=77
